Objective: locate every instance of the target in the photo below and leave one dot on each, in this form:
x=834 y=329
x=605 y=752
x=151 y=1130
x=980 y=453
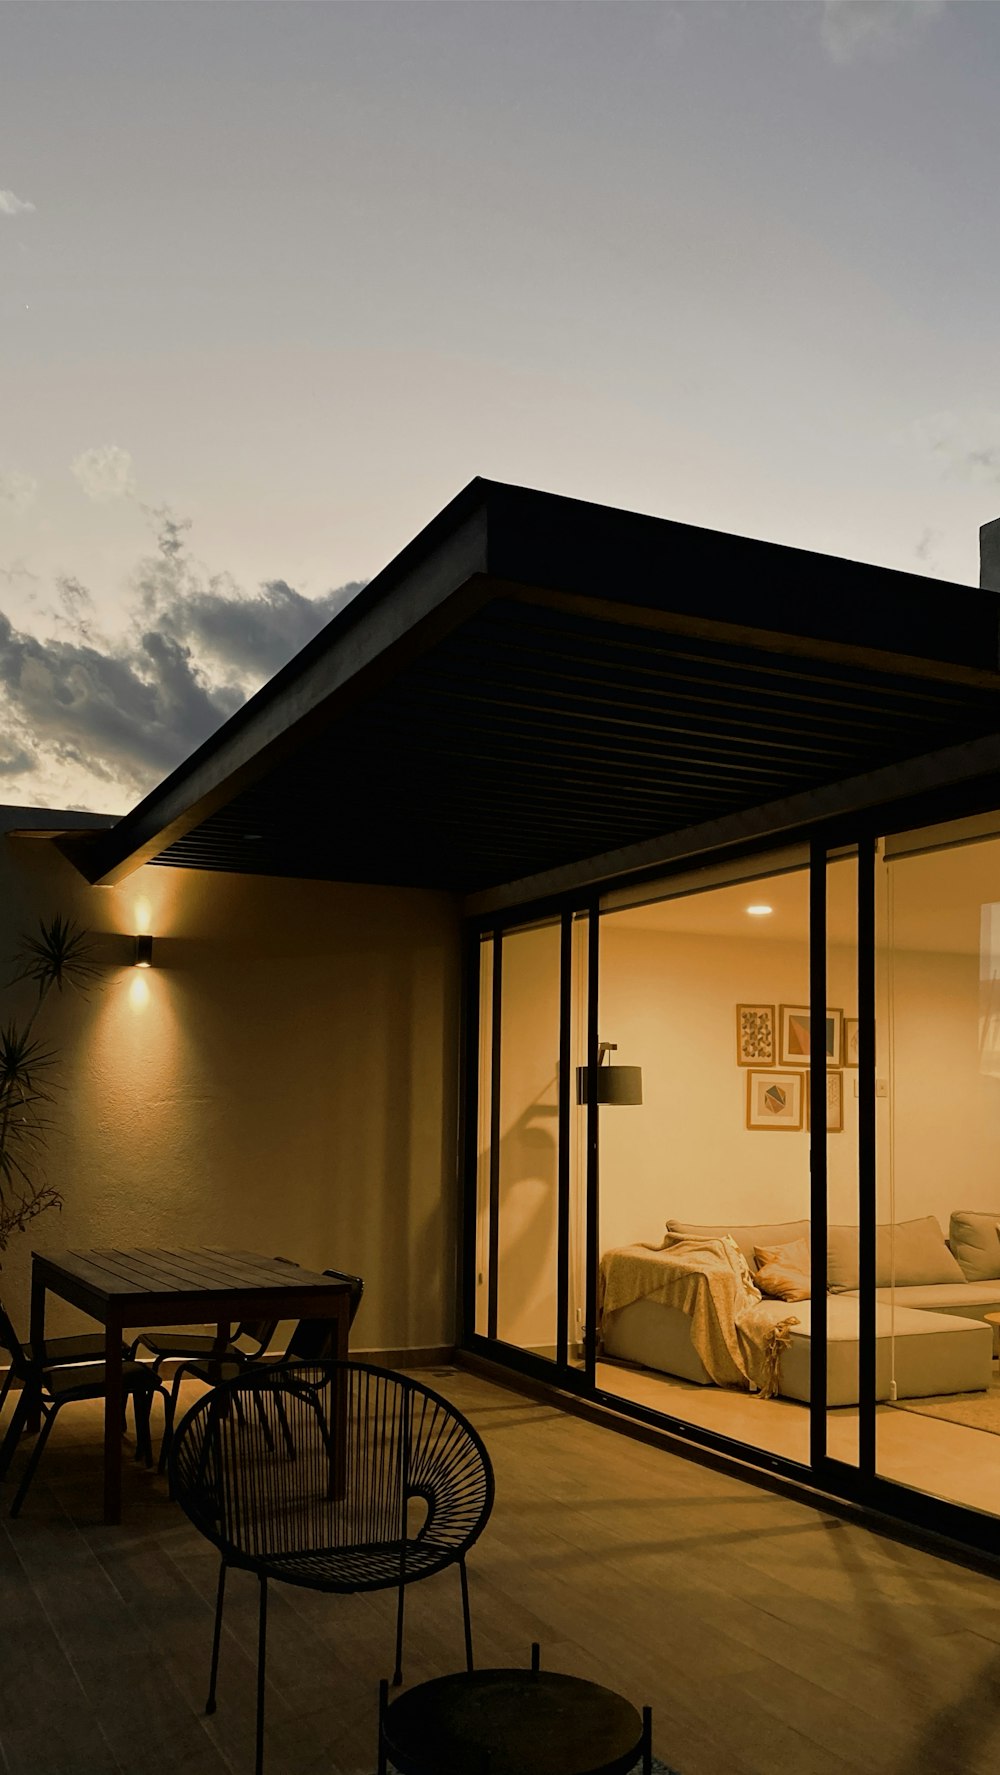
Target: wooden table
x=994 y=1320
x=138 y=1289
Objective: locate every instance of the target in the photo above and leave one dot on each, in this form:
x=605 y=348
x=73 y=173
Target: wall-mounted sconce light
x=615 y=1084
x=143 y=950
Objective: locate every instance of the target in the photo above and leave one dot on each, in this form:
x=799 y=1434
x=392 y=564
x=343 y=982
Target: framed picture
x=775 y=1099
x=834 y=1102
x=755 y=1044
x=850 y=1041
x=795 y=1047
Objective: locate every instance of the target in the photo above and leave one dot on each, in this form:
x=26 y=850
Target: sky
x=278 y=279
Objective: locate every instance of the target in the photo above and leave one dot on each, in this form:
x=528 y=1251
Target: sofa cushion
x=975 y=1240
x=746 y=1236
x=918 y=1248
x=970 y=1300
x=783 y=1271
x=928 y=1352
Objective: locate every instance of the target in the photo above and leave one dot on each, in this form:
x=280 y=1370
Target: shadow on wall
x=528 y=1216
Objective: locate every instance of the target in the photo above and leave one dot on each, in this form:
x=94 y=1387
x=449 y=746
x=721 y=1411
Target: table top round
x=992 y=1318
x=532 y=1722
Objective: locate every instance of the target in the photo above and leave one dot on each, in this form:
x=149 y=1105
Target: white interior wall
x=283 y=1079
x=669 y=1000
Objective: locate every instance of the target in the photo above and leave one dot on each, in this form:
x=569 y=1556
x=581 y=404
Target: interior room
x=704 y=987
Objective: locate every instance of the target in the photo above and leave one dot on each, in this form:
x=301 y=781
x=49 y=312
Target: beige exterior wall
x=283 y=1079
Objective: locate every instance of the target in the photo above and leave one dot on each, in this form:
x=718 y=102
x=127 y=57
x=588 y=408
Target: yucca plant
x=58 y=955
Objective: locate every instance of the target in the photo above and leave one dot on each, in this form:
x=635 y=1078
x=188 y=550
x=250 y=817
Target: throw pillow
x=913 y=1254
x=783 y=1270
x=975 y=1243
x=746 y=1236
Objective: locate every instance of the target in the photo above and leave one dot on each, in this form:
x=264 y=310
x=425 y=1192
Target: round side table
x=512 y=1722
x=994 y=1320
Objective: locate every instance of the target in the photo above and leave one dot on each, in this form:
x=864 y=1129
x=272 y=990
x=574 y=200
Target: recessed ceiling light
x=759 y=911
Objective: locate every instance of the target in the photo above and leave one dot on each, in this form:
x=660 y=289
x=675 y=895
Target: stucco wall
x=283 y=1079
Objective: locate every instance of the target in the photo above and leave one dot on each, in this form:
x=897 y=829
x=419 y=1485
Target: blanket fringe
x=776 y=1341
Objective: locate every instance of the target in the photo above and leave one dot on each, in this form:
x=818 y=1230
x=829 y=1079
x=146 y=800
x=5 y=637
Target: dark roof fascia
x=496 y=539
x=792 y=815
x=629 y=558
x=47 y=822
x=402 y=611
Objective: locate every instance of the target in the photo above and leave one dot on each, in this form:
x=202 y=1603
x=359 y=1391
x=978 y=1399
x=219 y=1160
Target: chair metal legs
x=14 y=1429
x=216 y=1639
x=261 y=1656
x=48 y=1419
x=210 y=1704
x=466 y=1617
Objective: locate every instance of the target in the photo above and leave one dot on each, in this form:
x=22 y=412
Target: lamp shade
x=615 y=1084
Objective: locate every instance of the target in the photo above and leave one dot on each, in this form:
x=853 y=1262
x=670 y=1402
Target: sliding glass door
x=530 y=1222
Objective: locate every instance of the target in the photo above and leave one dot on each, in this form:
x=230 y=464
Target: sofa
x=931 y=1337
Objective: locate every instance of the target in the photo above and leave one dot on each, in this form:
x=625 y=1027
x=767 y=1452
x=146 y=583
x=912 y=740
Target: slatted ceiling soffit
x=534 y=726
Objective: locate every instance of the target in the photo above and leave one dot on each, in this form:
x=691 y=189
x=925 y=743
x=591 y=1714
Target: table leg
x=36 y=1338
x=112 y=1421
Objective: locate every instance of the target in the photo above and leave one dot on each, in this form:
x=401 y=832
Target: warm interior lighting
x=144 y=950
x=143 y=914
x=759 y=911
x=615 y=1084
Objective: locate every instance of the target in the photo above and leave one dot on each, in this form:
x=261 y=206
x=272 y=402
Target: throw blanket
x=710 y=1281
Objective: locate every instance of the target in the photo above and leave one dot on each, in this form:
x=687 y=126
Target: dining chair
x=87 y=1347
x=341 y=1477
x=58 y=1384
x=310 y=1339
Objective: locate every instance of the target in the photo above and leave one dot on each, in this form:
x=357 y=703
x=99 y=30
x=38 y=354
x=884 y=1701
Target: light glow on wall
x=138 y=992
x=760 y=911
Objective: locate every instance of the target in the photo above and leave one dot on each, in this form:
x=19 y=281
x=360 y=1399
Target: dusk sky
x=278 y=279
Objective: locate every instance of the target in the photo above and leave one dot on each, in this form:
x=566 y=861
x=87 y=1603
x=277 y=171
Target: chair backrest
x=315 y=1340
x=261 y=1330
x=332 y=1457
x=10 y=1342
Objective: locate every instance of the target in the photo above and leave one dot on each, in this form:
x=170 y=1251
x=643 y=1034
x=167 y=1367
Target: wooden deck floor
x=771 y=1639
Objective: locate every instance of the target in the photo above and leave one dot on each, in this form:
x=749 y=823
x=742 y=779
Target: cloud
x=964 y=446
x=17 y=489
x=105 y=473
x=93 y=722
x=11 y=205
x=850 y=29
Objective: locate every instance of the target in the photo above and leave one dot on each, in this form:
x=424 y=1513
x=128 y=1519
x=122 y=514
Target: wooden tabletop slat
x=138 y=1270
x=187 y=1270
x=108 y=1273
x=228 y=1266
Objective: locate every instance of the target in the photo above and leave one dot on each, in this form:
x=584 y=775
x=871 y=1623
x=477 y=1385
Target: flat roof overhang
x=538 y=690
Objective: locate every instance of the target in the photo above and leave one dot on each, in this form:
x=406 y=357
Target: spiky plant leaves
x=60 y=955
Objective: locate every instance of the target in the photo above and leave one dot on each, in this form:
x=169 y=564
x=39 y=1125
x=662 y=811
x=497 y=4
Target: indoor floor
x=769 y=1637
x=946 y=1460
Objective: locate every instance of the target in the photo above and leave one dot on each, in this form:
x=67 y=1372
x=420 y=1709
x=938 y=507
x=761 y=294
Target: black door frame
x=858 y=1484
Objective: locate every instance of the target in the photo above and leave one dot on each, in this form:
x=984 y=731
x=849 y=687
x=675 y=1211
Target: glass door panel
x=938 y=1182
x=708 y=991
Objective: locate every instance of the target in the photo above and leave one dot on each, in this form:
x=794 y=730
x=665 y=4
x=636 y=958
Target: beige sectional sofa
x=929 y=1328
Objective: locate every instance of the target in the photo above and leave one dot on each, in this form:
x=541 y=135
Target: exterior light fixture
x=760 y=911
x=615 y=1084
x=143 y=950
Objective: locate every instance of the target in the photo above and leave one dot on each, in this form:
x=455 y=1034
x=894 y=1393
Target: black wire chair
x=343 y=1477
x=52 y=1385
